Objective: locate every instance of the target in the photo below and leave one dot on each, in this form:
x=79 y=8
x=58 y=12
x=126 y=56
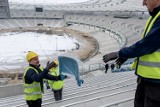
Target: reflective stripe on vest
x=149 y=65
x=32 y=91
x=32 y=86
x=56 y=85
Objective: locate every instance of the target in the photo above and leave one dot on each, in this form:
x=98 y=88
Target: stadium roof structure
x=83 y=5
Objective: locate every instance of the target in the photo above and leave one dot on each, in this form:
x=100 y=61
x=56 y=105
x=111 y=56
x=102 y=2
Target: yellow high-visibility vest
x=56 y=85
x=148 y=66
x=32 y=91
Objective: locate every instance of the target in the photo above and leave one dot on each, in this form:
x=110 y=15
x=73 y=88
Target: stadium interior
x=111 y=25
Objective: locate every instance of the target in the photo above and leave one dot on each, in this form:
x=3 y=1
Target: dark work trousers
x=57 y=94
x=147 y=94
x=36 y=103
x=106 y=67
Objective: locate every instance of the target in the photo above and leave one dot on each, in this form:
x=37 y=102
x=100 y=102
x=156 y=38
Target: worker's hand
x=110 y=56
x=59 y=77
x=120 y=61
x=50 y=65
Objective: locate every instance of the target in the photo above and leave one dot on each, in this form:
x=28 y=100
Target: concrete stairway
x=103 y=90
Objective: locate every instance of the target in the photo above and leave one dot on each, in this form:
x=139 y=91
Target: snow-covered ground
x=15 y=45
x=47 y=1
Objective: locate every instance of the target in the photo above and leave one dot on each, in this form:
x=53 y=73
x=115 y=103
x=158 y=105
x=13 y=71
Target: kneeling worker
x=33 y=79
x=57 y=86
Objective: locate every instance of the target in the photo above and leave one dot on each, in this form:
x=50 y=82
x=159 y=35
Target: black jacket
x=31 y=75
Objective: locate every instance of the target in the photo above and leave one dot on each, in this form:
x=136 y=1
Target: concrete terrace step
x=98 y=101
x=92 y=94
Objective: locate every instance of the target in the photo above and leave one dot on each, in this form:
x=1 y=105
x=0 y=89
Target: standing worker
x=106 y=68
x=147 y=65
x=33 y=79
x=57 y=86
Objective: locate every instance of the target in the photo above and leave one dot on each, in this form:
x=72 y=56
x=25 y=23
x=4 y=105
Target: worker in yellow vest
x=147 y=64
x=57 y=86
x=33 y=79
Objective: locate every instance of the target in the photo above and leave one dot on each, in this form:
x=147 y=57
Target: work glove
x=120 y=61
x=63 y=77
x=110 y=56
x=50 y=65
x=59 y=77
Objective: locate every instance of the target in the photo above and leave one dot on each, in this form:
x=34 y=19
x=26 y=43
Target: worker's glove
x=65 y=76
x=50 y=65
x=110 y=56
x=120 y=61
x=59 y=77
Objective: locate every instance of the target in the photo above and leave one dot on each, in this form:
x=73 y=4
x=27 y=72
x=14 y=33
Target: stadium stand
x=97 y=89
